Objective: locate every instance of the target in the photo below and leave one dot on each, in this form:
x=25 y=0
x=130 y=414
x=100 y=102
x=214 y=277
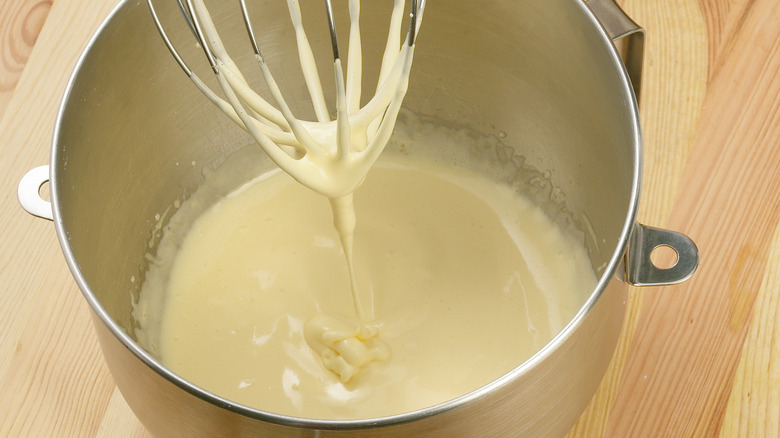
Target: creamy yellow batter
x=454 y=278
x=330 y=157
x=463 y=279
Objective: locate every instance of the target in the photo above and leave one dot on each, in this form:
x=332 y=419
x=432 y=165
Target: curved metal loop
x=628 y=37
x=29 y=196
x=640 y=270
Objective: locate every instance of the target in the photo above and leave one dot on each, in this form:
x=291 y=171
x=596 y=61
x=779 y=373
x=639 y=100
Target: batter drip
x=330 y=157
x=468 y=281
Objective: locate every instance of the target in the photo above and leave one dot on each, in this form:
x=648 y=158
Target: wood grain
x=754 y=405
x=674 y=371
x=689 y=343
x=20 y=23
x=700 y=359
x=53 y=377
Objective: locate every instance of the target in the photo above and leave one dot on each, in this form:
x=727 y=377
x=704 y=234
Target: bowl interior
x=135 y=137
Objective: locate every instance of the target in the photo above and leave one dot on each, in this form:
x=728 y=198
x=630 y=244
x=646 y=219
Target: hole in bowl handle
x=628 y=37
x=640 y=270
x=29 y=192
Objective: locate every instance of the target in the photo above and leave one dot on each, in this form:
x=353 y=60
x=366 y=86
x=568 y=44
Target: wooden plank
x=20 y=23
x=681 y=364
x=699 y=359
x=51 y=370
x=754 y=406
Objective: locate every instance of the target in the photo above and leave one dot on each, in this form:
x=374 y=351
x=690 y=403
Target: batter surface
x=462 y=278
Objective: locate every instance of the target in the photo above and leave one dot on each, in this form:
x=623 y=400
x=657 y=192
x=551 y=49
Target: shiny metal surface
x=629 y=38
x=28 y=192
x=641 y=271
x=543 y=74
x=272 y=123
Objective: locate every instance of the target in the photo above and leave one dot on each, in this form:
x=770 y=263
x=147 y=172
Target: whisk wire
x=334 y=39
x=202 y=37
x=249 y=29
x=358 y=134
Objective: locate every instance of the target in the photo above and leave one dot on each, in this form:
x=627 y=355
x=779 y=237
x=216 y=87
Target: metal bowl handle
x=628 y=37
x=29 y=192
x=640 y=269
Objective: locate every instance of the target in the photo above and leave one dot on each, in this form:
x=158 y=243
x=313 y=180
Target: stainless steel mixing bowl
x=133 y=136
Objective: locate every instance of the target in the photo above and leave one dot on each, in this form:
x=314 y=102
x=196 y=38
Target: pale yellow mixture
x=454 y=278
x=330 y=157
x=463 y=279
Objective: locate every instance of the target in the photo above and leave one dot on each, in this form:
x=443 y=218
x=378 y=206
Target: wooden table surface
x=698 y=359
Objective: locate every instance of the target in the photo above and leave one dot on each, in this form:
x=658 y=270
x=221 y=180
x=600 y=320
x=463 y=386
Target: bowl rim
x=612 y=268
